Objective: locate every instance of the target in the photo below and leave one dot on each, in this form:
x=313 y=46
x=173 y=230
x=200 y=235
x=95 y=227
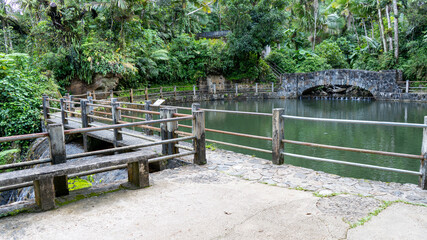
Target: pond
x=384 y=138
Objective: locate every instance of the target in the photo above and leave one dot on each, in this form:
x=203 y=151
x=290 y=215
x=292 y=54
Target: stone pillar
x=63 y=109
x=278 y=136
x=45 y=107
x=85 y=122
x=116 y=120
x=138 y=173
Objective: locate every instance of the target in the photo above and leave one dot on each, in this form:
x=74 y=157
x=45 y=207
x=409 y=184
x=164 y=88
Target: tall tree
x=396 y=30
x=380 y=22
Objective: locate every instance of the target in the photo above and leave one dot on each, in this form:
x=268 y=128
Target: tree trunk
x=390 y=40
x=5 y=37
x=10 y=38
x=355 y=31
x=380 y=19
x=396 y=31
x=372 y=29
x=316 y=8
x=366 y=32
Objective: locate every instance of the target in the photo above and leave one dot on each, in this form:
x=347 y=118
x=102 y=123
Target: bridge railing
x=55 y=134
x=134 y=95
x=413 y=86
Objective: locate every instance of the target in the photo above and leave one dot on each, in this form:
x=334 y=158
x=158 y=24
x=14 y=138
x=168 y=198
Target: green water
x=384 y=138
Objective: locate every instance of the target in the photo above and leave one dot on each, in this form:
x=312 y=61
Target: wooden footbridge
x=112 y=127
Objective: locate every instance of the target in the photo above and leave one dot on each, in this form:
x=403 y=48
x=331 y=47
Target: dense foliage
x=21 y=87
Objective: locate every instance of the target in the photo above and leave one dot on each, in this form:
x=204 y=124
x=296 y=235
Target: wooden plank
x=200 y=140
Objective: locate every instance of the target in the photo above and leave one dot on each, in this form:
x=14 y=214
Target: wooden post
x=278 y=136
x=195 y=107
x=423 y=167
x=256 y=88
x=168 y=130
x=89 y=109
x=67 y=105
x=272 y=87
x=237 y=89
x=116 y=120
x=63 y=113
x=138 y=173
x=44 y=193
x=146 y=93
x=199 y=134
x=174 y=91
x=45 y=107
x=85 y=122
x=407 y=86
x=88 y=94
x=58 y=156
x=214 y=89
x=148 y=117
x=93 y=94
x=72 y=105
x=161 y=92
x=111 y=94
x=131 y=95
x=194 y=90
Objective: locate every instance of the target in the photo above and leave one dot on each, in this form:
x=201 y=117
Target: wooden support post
x=44 y=193
x=174 y=91
x=131 y=95
x=256 y=88
x=146 y=93
x=199 y=143
x=172 y=127
x=163 y=130
x=89 y=109
x=278 y=136
x=214 y=89
x=407 y=86
x=161 y=92
x=85 y=122
x=194 y=90
x=67 y=105
x=138 y=174
x=195 y=107
x=148 y=117
x=88 y=94
x=116 y=120
x=111 y=94
x=63 y=113
x=94 y=94
x=58 y=156
x=72 y=106
x=237 y=89
x=272 y=87
x=423 y=167
x=45 y=107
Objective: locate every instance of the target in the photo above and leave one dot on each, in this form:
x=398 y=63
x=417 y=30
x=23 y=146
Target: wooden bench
x=43 y=177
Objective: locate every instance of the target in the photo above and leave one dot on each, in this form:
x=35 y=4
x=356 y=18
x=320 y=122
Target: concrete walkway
x=234 y=196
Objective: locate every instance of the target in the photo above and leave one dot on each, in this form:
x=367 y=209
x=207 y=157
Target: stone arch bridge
x=382 y=85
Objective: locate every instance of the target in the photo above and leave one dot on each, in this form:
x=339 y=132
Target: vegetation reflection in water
x=384 y=138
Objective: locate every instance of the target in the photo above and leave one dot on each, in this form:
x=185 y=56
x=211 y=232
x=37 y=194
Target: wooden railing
x=86 y=111
x=133 y=95
x=413 y=86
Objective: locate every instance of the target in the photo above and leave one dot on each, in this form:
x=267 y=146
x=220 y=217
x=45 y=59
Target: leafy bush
x=312 y=64
x=332 y=53
x=284 y=62
x=21 y=88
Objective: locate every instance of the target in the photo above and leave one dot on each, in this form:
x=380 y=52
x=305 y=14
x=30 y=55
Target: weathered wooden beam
x=85 y=122
x=199 y=143
x=45 y=107
x=138 y=173
x=146 y=93
x=116 y=120
x=148 y=117
x=195 y=107
x=63 y=113
x=172 y=127
x=58 y=156
x=44 y=193
x=131 y=95
x=423 y=167
x=277 y=136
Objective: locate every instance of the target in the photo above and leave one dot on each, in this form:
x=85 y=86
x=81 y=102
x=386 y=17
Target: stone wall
x=381 y=84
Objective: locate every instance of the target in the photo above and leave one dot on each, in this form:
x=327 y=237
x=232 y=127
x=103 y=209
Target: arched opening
x=337 y=92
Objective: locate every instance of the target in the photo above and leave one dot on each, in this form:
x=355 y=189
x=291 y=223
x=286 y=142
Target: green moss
x=15 y=212
x=83 y=196
x=317 y=194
